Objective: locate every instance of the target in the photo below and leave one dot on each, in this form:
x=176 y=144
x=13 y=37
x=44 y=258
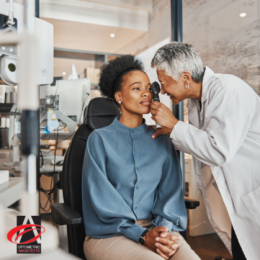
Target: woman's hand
x=165 y=246
x=167 y=241
x=151 y=235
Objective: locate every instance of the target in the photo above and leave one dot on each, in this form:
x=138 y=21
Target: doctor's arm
x=229 y=115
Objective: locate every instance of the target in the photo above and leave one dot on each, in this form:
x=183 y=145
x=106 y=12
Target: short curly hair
x=112 y=73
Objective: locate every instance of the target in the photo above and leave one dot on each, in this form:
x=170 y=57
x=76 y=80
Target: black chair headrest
x=100 y=112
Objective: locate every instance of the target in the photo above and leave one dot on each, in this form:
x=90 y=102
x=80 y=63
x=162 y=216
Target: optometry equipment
x=156 y=90
x=64 y=103
x=12 y=23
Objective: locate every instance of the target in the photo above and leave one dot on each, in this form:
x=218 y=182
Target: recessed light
x=242 y=14
x=63 y=73
x=3 y=48
x=11 y=50
x=112 y=35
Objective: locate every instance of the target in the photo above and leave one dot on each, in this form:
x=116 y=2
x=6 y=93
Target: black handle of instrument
x=155 y=87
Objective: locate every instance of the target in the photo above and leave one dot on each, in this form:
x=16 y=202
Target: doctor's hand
x=161 y=131
x=162 y=115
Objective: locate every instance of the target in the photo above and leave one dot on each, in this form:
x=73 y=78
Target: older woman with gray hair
x=223 y=136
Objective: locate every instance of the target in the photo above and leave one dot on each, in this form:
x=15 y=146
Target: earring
x=119 y=102
x=187 y=86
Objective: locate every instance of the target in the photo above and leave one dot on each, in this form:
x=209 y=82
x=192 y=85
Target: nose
x=146 y=93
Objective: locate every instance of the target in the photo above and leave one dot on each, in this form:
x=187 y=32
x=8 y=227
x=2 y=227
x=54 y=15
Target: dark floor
x=208 y=247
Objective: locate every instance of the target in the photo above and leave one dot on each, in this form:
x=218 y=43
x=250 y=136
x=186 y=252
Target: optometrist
x=223 y=136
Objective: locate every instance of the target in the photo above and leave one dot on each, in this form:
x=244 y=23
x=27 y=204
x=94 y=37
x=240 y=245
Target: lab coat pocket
x=252 y=202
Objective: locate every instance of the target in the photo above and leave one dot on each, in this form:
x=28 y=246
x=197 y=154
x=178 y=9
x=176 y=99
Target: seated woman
x=132 y=197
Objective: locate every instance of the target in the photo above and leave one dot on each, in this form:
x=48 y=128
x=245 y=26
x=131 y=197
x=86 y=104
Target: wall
x=227 y=42
x=159 y=29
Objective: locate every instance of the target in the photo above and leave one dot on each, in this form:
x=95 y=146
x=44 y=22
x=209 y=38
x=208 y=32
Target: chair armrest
x=63 y=214
x=191 y=203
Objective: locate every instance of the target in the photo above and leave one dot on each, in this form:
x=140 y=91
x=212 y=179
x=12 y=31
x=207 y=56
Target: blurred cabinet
x=198 y=220
x=93 y=74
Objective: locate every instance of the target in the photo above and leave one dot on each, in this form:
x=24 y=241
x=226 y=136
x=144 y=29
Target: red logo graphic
x=13 y=231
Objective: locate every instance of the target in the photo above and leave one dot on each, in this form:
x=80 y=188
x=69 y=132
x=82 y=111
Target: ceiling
x=87 y=24
x=145 y=5
x=91 y=37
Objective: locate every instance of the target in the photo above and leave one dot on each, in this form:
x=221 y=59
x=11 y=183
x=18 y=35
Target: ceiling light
x=112 y=35
x=63 y=73
x=11 y=50
x=3 y=48
x=242 y=14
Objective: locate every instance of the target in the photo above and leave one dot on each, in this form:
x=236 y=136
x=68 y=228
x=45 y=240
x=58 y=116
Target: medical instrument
x=156 y=90
x=58 y=104
x=155 y=87
x=11 y=23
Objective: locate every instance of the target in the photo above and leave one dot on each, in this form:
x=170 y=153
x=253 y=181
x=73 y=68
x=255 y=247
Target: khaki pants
x=122 y=248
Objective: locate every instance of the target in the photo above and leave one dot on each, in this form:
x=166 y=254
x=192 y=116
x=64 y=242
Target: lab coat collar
x=128 y=130
x=192 y=104
x=207 y=75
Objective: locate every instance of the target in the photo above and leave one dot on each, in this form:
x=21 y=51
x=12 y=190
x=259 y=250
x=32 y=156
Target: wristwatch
x=142 y=238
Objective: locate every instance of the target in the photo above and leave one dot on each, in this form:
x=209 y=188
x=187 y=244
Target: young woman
x=132 y=197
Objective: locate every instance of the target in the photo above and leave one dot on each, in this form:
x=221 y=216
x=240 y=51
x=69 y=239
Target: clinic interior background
x=225 y=33
x=88 y=33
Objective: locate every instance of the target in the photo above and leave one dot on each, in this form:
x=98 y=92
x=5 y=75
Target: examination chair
x=100 y=113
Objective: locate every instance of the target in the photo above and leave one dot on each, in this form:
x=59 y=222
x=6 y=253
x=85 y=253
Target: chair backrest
x=100 y=113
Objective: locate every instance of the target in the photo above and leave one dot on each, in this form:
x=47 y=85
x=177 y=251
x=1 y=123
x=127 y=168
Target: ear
x=187 y=77
x=118 y=96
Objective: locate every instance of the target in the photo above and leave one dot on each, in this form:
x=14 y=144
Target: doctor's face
x=174 y=89
x=136 y=95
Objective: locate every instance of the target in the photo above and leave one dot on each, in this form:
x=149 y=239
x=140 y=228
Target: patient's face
x=136 y=92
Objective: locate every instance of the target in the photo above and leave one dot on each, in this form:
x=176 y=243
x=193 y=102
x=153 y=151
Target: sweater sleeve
x=105 y=212
x=169 y=209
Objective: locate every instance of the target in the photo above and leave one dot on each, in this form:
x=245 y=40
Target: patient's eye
x=137 y=88
x=150 y=89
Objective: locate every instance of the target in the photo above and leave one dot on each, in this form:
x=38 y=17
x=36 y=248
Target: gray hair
x=176 y=57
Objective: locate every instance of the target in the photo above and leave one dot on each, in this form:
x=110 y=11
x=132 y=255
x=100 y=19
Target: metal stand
x=177 y=35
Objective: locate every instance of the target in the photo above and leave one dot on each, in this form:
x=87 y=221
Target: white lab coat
x=224 y=140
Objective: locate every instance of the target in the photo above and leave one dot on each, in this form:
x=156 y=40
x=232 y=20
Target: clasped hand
x=160 y=240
